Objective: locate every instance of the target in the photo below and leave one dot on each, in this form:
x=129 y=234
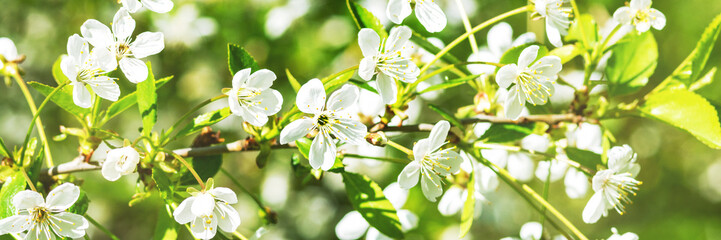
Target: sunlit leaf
x=13 y=184
x=129 y=100
x=165 y=226
x=512 y=54
x=632 y=62
x=449 y=84
x=586 y=158
x=363 y=84
x=165 y=187
x=63 y=98
x=365 y=19
x=469 y=205
x=337 y=81
x=368 y=199
x=293 y=82
x=80 y=206
x=239 y=59
x=148 y=102
x=204 y=120
x=500 y=132
x=590 y=30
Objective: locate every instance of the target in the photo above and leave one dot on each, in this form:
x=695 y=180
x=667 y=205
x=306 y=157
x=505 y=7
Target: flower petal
x=105 y=87
x=296 y=130
x=27 y=199
x=343 y=98
x=131 y=5
x=97 y=33
x=452 y=201
x=554 y=34
x=78 y=49
x=69 y=224
x=109 y=171
x=81 y=95
x=228 y=217
x=123 y=24
x=515 y=101
x=204 y=227
x=8 y=49
x=103 y=59
x=531 y=230
x=640 y=4
x=396 y=195
x=322 y=152
x=403 y=69
x=594 y=209
x=507 y=75
x=520 y=166
x=408 y=178
x=147 y=43
x=351 y=226
x=158 y=6
x=224 y=194
x=430 y=15
x=367 y=68
x=438 y=135
x=397 y=39
x=261 y=79
x=350 y=131
x=450 y=161
x=496 y=156
x=421 y=149
x=182 y=213
x=658 y=20
x=386 y=87
x=369 y=42
x=311 y=97
x=500 y=38
x=483 y=55
x=643 y=26
x=203 y=205
x=408 y=220
x=623 y=15
x=15 y=224
x=63 y=196
x=576 y=183
x=431 y=186
x=134 y=69
x=397 y=10
x=528 y=55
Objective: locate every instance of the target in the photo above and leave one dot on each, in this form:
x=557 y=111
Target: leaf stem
x=400 y=147
x=237 y=183
x=33 y=110
x=103 y=229
x=467 y=26
x=27 y=179
x=386 y=159
x=187 y=165
x=335 y=75
x=35 y=116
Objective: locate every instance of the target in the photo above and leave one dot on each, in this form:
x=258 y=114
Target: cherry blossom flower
x=431 y=162
x=641 y=15
x=353 y=225
x=500 y=39
x=428 y=13
x=45 y=218
x=9 y=53
x=557 y=19
x=86 y=68
x=120 y=43
x=614 y=185
x=386 y=60
x=119 y=162
x=625 y=236
x=252 y=98
x=329 y=118
x=208 y=210
x=159 y=6
x=533 y=80
x=576 y=183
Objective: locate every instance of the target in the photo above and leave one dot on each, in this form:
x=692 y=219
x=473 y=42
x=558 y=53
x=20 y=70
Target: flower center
x=122 y=160
x=123 y=49
x=529 y=83
x=40 y=214
x=617 y=189
x=323 y=120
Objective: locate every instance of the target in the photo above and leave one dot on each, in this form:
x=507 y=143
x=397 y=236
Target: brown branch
x=550 y=119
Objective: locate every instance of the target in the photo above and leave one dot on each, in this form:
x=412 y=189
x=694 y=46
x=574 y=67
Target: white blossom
x=431 y=163
x=557 y=19
x=208 y=210
x=428 y=13
x=120 y=43
x=159 y=6
x=119 y=162
x=329 y=118
x=533 y=80
x=625 y=236
x=385 y=59
x=576 y=183
x=8 y=51
x=586 y=136
x=353 y=225
x=500 y=39
x=45 y=218
x=557 y=170
x=455 y=197
x=86 y=68
x=185 y=26
x=613 y=186
x=641 y=15
x=252 y=98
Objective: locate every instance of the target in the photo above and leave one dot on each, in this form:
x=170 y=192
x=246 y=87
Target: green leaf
x=80 y=206
x=512 y=54
x=304 y=146
x=3 y=149
x=13 y=185
x=469 y=205
x=701 y=85
x=165 y=187
x=293 y=82
x=586 y=158
x=58 y=74
x=447 y=116
x=368 y=199
x=365 y=19
x=633 y=60
x=207 y=166
x=63 y=98
x=264 y=155
x=500 y=133
x=148 y=102
x=685 y=110
x=449 y=83
x=590 y=30
x=239 y=59
x=204 y=120
x=363 y=84
x=129 y=100
x=566 y=53
x=165 y=228
x=335 y=82
x=690 y=69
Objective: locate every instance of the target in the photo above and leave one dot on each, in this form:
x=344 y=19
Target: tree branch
x=550 y=119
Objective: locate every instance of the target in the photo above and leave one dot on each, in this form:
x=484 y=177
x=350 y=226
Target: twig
x=550 y=119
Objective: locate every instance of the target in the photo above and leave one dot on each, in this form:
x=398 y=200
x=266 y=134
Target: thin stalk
x=240 y=236
x=467 y=26
x=237 y=183
x=452 y=66
x=385 y=159
x=95 y=110
x=400 y=147
x=335 y=75
x=35 y=117
x=34 y=110
x=103 y=229
x=192 y=110
x=27 y=179
x=602 y=48
x=187 y=165
x=580 y=26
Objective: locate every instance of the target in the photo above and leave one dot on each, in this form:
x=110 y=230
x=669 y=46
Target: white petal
x=397 y=38
x=520 y=166
x=102 y=58
x=595 y=208
x=271 y=101
x=507 y=75
x=261 y=79
x=253 y=115
x=351 y=226
x=514 y=104
x=397 y=10
x=623 y=15
x=228 y=217
x=387 y=89
x=69 y=224
x=8 y=49
x=131 y=5
x=322 y=152
x=483 y=55
x=535 y=142
x=421 y=149
x=403 y=69
x=658 y=20
x=123 y=24
x=78 y=49
x=105 y=87
x=496 y=156
x=554 y=34
x=182 y=213
x=640 y=4
x=203 y=205
x=431 y=186
x=576 y=183
x=81 y=95
x=224 y=194
x=367 y=68
x=408 y=178
x=374 y=234
x=201 y=229
x=525 y=38
x=97 y=33
x=15 y=224
x=531 y=231
x=350 y=131
x=311 y=97
x=527 y=56
x=396 y=195
x=438 y=134
x=296 y=130
x=63 y=196
x=408 y=220
x=134 y=69
x=452 y=201
x=486 y=179
x=159 y=6
x=643 y=26
x=109 y=171
x=369 y=42
x=500 y=37
x=430 y=15
x=147 y=43
x=447 y=157
x=240 y=78
x=27 y=199
x=343 y=98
